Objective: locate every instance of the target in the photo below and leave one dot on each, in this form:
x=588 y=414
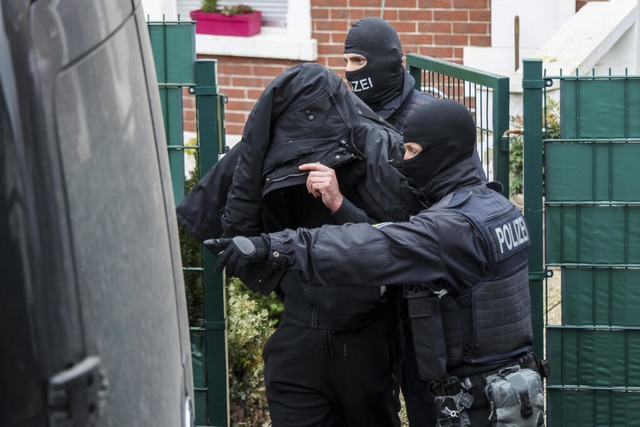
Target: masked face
x=445 y=133
x=381 y=79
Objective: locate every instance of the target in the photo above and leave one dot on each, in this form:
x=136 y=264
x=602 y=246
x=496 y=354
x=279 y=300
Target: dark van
x=93 y=322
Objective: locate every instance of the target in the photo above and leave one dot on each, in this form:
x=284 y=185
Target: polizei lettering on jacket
x=360 y=85
x=510 y=235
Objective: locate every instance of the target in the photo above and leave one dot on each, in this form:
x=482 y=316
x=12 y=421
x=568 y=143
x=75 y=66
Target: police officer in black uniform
x=462 y=261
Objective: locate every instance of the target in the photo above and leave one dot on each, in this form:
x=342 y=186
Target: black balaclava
x=382 y=78
x=447 y=134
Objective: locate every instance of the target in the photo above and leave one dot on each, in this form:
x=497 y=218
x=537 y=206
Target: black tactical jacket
x=305 y=115
x=478 y=256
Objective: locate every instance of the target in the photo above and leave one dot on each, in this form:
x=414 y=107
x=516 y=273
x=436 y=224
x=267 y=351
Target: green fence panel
x=600 y=108
x=173 y=45
x=586 y=407
x=599 y=171
x=172 y=109
x=174 y=50
x=601 y=296
x=593 y=235
x=592 y=218
x=594 y=356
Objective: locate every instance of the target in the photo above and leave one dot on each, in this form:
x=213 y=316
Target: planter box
x=244 y=25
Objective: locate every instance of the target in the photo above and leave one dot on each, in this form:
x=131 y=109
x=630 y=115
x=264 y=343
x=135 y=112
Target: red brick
x=435 y=4
x=267 y=71
x=248 y=81
x=404 y=27
x=189 y=115
x=436 y=52
x=470 y=28
x=450 y=15
x=482 y=41
x=233 y=92
x=480 y=15
x=390 y=15
x=450 y=40
x=338 y=38
x=415 y=15
x=231 y=116
x=317 y=13
x=435 y=27
x=331 y=26
x=340 y=13
x=234 y=128
x=417 y=39
x=403 y=3
x=333 y=49
x=365 y=3
x=471 y=4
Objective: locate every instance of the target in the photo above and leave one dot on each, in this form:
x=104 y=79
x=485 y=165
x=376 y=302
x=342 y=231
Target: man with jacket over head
x=462 y=262
x=335 y=358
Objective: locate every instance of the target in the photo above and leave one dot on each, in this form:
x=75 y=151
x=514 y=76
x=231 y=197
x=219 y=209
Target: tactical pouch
x=516 y=397
x=428 y=334
x=452 y=410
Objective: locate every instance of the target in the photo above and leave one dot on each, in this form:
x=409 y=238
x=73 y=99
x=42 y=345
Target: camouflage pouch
x=516 y=397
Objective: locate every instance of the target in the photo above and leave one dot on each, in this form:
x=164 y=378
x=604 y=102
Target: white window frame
x=293 y=42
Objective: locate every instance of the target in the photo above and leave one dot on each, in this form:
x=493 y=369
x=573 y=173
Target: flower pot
x=242 y=25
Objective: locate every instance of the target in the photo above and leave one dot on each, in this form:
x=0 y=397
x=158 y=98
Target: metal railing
x=485 y=94
x=179 y=74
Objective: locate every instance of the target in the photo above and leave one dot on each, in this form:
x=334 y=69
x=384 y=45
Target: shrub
x=551 y=130
x=248 y=327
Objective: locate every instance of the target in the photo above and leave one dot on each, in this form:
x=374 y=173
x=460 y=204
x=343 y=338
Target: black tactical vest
x=491 y=323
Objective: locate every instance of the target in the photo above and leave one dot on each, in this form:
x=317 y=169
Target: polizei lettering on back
x=511 y=235
x=360 y=85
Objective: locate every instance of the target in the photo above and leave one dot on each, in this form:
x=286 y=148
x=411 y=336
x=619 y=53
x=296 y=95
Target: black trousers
x=322 y=378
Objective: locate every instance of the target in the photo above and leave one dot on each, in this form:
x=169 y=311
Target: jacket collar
x=463 y=174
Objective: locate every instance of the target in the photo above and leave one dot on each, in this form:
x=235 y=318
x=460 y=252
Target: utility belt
x=515 y=394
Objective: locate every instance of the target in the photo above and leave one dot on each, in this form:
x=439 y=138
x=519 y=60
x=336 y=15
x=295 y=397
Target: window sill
x=270 y=43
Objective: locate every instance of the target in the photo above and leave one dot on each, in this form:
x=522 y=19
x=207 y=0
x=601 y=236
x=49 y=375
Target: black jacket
x=441 y=245
x=305 y=115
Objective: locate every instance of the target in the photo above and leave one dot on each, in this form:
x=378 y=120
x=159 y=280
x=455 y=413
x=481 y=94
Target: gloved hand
x=237 y=253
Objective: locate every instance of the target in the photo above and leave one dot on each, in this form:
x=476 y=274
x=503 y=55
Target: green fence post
x=211 y=139
x=532 y=85
x=500 y=126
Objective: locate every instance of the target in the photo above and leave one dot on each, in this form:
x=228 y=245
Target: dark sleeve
x=419 y=251
x=200 y=211
x=384 y=192
x=348 y=212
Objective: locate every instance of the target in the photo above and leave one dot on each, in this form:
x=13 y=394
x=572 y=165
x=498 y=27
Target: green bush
x=248 y=327
x=551 y=130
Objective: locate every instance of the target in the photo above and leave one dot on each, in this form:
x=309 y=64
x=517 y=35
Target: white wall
x=155 y=10
x=538 y=21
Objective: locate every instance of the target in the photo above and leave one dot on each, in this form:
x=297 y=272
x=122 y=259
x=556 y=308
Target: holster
x=428 y=332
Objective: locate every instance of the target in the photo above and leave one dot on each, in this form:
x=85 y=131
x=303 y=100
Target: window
x=285 y=34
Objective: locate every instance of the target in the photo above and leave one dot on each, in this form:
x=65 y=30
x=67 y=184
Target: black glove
x=237 y=253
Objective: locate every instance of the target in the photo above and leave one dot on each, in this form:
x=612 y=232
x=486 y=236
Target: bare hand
x=322 y=182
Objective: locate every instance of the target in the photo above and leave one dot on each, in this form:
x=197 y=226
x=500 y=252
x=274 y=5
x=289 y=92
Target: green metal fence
x=487 y=97
x=178 y=72
x=588 y=188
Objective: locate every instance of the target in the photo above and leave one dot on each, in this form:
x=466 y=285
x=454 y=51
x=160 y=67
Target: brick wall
x=437 y=28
